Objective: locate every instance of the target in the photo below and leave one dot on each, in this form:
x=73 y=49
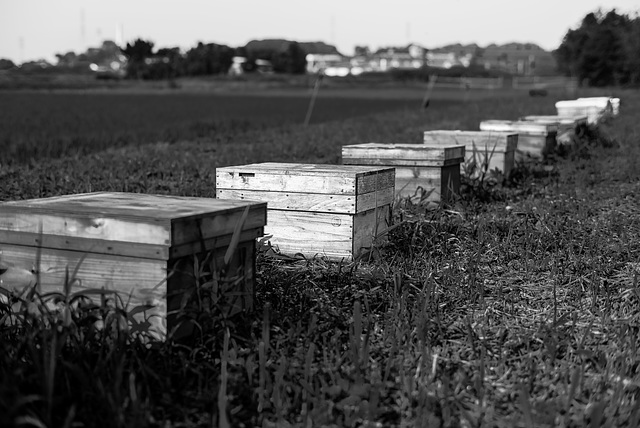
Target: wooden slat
x=401 y=154
x=311 y=233
x=449 y=183
x=193 y=230
x=279 y=168
x=85 y=225
x=140 y=280
x=493 y=140
x=220 y=242
x=141 y=207
x=116 y=248
x=562 y=120
x=535 y=146
x=375 y=179
x=236 y=290
x=497 y=147
x=409 y=180
x=437 y=184
x=517 y=126
x=302 y=178
x=371 y=200
x=370 y=228
x=244 y=178
x=346 y=204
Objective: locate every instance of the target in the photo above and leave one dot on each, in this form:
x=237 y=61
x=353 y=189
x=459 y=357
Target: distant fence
x=470 y=82
x=544 y=82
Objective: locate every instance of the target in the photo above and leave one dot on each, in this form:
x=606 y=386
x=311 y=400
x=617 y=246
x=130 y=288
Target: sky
x=34 y=29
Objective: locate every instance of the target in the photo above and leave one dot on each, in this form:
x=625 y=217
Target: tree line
x=603 y=51
x=211 y=58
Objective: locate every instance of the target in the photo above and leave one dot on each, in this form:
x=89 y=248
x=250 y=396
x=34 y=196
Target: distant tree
x=477 y=56
x=167 y=63
x=6 y=64
x=292 y=61
x=603 y=51
x=208 y=59
x=241 y=51
x=631 y=43
x=362 y=51
x=137 y=55
x=68 y=59
x=285 y=56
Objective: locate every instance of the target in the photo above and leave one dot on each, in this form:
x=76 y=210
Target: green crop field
x=516 y=305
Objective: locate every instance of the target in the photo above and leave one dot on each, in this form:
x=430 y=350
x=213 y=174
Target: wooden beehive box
x=142 y=246
x=610 y=104
x=490 y=149
x=422 y=171
x=595 y=108
x=535 y=140
x=566 y=125
x=327 y=210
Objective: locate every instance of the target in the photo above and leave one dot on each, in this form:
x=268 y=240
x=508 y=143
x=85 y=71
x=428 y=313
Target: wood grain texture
x=562 y=120
x=566 y=125
x=370 y=229
x=138 y=281
x=594 y=108
x=492 y=140
x=126 y=217
x=303 y=178
x=449 y=183
x=191 y=295
x=85 y=225
x=138 y=206
x=494 y=148
x=164 y=285
x=520 y=127
x=218 y=242
x=128 y=250
x=347 y=204
x=535 y=146
x=429 y=184
x=401 y=154
x=329 y=235
x=87 y=245
x=311 y=233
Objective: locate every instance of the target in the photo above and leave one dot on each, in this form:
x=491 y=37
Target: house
x=241 y=65
x=320 y=62
x=524 y=59
x=410 y=57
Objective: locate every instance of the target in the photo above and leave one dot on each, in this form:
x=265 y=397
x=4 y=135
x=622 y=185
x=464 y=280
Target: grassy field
x=39 y=124
x=515 y=306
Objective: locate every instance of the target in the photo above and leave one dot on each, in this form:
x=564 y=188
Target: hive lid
x=502 y=140
x=305 y=178
x=595 y=102
x=518 y=126
x=402 y=154
x=124 y=218
x=558 y=119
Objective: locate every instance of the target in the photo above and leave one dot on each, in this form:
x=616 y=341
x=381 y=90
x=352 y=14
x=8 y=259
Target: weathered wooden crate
x=145 y=247
x=327 y=210
x=566 y=125
x=534 y=139
x=490 y=149
x=595 y=108
x=428 y=173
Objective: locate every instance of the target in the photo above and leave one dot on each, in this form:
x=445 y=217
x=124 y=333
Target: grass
x=519 y=310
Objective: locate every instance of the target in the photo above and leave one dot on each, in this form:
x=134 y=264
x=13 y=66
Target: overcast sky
x=31 y=29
